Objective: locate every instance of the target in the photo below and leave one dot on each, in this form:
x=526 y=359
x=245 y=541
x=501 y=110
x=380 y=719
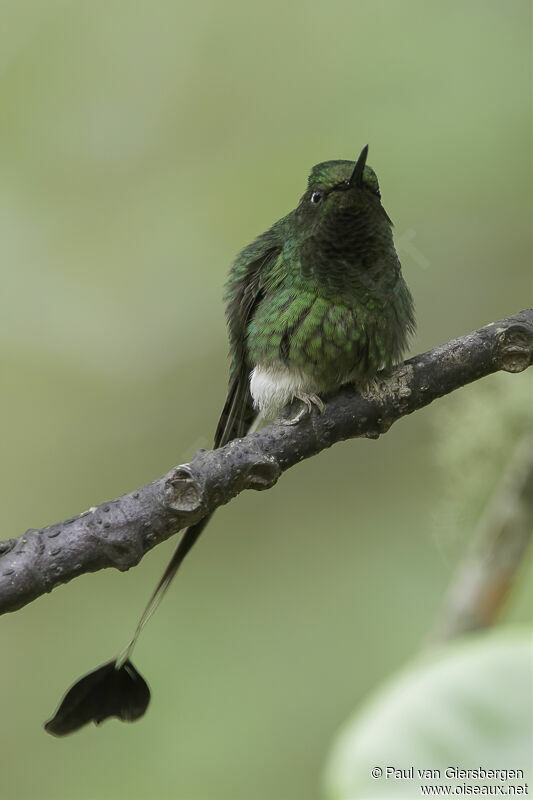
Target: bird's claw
x=307 y=401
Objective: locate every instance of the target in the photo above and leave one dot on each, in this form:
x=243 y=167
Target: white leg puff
x=273 y=387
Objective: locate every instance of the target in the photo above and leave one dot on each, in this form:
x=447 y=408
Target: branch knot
x=262 y=474
x=182 y=491
x=515 y=350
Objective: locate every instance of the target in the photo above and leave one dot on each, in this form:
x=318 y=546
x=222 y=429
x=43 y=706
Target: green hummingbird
x=315 y=302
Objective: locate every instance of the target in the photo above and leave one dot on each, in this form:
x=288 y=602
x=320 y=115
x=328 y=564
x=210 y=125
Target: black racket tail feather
x=117 y=689
x=106 y=692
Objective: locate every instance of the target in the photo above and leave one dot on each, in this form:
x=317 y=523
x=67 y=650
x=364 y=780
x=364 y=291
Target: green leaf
x=468 y=705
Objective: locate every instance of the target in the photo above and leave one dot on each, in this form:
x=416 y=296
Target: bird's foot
x=307 y=401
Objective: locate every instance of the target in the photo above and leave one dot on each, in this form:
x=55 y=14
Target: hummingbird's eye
x=316 y=197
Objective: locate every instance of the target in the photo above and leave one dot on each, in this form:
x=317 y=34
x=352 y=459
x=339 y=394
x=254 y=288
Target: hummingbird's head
x=344 y=230
x=340 y=185
x=341 y=195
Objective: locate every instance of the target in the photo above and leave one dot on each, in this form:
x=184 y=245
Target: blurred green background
x=142 y=145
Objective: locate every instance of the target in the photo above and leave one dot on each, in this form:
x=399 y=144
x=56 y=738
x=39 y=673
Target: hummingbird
x=315 y=302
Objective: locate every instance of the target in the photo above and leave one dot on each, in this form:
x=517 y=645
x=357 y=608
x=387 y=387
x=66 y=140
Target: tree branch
x=119 y=533
x=489 y=567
